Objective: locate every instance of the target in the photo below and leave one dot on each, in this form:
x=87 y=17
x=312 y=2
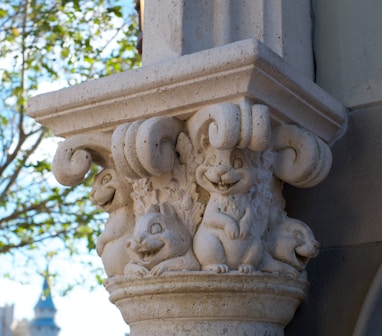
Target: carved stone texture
x=201 y=198
x=111 y=193
x=160 y=243
x=183 y=85
x=198 y=303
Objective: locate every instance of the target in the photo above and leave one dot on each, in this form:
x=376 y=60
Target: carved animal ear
x=167 y=209
x=227 y=125
x=302 y=159
x=220 y=122
x=103 y=173
x=255 y=130
x=153 y=208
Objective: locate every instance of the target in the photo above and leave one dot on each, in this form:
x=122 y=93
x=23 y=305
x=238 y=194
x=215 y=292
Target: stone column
x=194 y=149
x=179 y=27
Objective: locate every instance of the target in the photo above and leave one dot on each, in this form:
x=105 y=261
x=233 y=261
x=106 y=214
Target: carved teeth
x=148 y=255
x=223 y=186
x=302 y=260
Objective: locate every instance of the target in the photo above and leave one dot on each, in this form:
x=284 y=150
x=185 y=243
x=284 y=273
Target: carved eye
x=237 y=163
x=212 y=160
x=106 y=179
x=298 y=235
x=155 y=228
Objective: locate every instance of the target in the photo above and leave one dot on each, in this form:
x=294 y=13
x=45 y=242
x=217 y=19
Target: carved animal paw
x=134 y=270
x=217 y=268
x=244 y=234
x=245 y=268
x=158 y=269
x=232 y=231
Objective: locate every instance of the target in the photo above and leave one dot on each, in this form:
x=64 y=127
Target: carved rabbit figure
x=160 y=243
x=111 y=193
x=228 y=236
x=289 y=247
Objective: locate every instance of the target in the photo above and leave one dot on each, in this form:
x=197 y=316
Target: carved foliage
x=200 y=195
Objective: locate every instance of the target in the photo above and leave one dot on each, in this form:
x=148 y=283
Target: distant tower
x=6 y=318
x=43 y=323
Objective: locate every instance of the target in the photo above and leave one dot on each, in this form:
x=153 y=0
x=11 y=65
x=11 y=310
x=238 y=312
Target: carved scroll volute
x=228 y=125
x=146 y=148
x=75 y=155
x=302 y=159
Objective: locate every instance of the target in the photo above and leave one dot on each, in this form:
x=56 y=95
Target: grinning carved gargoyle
x=111 y=193
x=160 y=243
x=289 y=246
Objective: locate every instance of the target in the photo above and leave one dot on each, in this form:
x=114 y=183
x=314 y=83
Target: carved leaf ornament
x=201 y=195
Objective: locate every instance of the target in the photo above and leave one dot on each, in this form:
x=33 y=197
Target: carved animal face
x=109 y=192
x=158 y=236
x=226 y=171
x=293 y=242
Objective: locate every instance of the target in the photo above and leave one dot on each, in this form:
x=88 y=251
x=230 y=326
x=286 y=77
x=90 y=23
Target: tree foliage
x=46 y=44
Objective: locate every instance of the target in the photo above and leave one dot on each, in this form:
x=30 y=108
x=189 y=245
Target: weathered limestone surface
x=195 y=199
x=194 y=151
x=181 y=86
x=344 y=213
x=187 y=26
x=347 y=48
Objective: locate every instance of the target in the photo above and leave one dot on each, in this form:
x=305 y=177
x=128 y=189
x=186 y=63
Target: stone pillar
x=194 y=148
x=180 y=27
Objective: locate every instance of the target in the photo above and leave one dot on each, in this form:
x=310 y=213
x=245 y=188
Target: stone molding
x=199 y=303
x=181 y=86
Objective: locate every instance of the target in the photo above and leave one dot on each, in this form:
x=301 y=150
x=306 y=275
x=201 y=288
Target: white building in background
x=6 y=318
x=43 y=323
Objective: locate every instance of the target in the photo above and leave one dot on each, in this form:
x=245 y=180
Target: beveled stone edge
x=182 y=85
x=266 y=297
x=200 y=281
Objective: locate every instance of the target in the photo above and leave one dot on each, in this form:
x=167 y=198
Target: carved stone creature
x=160 y=243
x=111 y=193
x=289 y=247
x=228 y=236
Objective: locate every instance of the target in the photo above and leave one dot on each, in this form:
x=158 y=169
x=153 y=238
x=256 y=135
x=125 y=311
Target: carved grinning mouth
x=109 y=201
x=223 y=186
x=303 y=260
x=146 y=256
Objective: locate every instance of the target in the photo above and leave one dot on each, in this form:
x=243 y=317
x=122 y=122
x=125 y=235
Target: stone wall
x=348 y=50
x=344 y=211
x=345 y=214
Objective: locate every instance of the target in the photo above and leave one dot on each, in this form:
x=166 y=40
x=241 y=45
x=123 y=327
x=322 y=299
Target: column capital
x=194 y=153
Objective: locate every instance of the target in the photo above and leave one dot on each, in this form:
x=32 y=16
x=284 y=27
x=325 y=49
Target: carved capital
x=202 y=194
x=194 y=152
x=201 y=197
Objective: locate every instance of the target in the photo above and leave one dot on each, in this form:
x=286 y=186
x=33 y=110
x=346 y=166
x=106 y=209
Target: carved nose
x=139 y=238
x=221 y=170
